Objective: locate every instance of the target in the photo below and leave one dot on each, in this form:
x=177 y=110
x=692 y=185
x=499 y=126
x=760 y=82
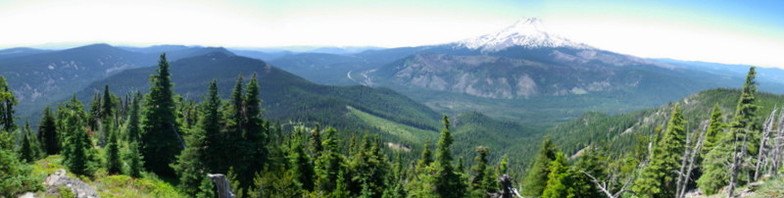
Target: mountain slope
x=285 y=96
x=43 y=77
x=19 y=51
x=620 y=132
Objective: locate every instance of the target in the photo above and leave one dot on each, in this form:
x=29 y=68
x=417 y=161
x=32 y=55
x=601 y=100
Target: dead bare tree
x=737 y=162
x=777 y=146
x=222 y=184
x=689 y=159
x=507 y=191
x=762 y=155
x=606 y=185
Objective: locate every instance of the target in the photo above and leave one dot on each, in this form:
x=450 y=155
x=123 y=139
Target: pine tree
x=160 y=141
x=132 y=128
x=299 y=161
x=482 y=181
x=28 y=151
x=206 y=189
x=94 y=115
x=503 y=165
x=254 y=135
x=713 y=134
x=192 y=162
x=315 y=141
x=105 y=116
x=717 y=162
x=7 y=103
x=659 y=177
x=134 y=160
x=113 y=161
x=558 y=179
x=447 y=182
x=536 y=177
x=396 y=181
x=368 y=169
x=341 y=188
x=329 y=163
x=79 y=158
x=47 y=133
x=210 y=124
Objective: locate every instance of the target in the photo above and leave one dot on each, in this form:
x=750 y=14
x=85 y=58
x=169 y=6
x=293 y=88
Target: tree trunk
x=222 y=184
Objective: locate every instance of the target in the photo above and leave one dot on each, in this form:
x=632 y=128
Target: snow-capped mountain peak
x=528 y=32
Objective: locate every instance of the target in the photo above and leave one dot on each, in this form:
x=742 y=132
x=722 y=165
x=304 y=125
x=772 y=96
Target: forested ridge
x=174 y=144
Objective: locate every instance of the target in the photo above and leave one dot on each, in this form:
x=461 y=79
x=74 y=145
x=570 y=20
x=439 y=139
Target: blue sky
x=738 y=32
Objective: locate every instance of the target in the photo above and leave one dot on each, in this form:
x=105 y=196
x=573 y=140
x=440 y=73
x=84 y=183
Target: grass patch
x=112 y=185
x=773 y=187
x=404 y=132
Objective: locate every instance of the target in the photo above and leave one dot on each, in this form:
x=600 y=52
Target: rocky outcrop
x=59 y=179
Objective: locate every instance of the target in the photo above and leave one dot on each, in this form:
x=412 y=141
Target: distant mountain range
x=522 y=72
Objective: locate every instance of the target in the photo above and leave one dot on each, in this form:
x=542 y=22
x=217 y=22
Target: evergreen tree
x=206 y=189
x=482 y=182
x=160 y=141
x=113 y=162
x=658 y=178
x=368 y=169
x=47 y=133
x=79 y=157
x=329 y=163
x=299 y=162
x=396 y=181
x=134 y=160
x=536 y=177
x=447 y=182
x=558 y=179
x=595 y=162
x=94 y=115
x=341 y=188
x=210 y=125
x=132 y=128
x=7 y=103
x=315 y=141
x=28 y=152
x=503 y=165
x=716 y=163
x=254 y=135
x=713 y=133
x=191 y=163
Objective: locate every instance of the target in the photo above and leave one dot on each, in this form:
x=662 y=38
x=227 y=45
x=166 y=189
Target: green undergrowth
x=112 y=185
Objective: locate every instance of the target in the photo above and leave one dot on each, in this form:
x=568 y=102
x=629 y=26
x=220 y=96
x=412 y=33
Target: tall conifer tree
x=160 y=141
x=659 y=177
x=47 y=133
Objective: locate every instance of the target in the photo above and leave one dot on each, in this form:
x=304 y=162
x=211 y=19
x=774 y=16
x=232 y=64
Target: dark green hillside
x=620 y=131
x=285 y=96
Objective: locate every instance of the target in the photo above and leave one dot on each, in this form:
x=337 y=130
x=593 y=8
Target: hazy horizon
x=749 y=32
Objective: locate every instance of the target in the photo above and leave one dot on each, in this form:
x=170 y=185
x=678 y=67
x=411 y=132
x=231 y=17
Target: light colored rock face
x=59 y=179
x=504 y=78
